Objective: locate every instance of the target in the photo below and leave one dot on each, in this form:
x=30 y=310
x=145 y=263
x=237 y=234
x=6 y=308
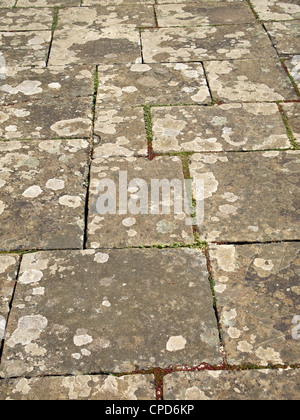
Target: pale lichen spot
x=70 y=201
x=31 y=276
x=82 y=340
x=32 y=192
x=176 y=343
x=101 y=258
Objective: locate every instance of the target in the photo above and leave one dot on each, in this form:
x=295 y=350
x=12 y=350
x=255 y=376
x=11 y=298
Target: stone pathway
x=101 y=102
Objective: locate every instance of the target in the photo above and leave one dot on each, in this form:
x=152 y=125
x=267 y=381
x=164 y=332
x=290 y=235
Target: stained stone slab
x=109 y=45
x=276 y=9
x=124 y=225
x=81 y=387
x=8 y=274
x=245 y=194
x=250 y=385
x=7 y=3
x=116 y=2
x=122 y=132
x=110 y=311
x=206 y=43
x=48 y=3
x=23 y=49
x=29 y=19
x=42 y=194
x=292 y=111
x=249 y=81
x=23 y=84
x=71 y=117
x=285 y=36
x=143 y=84
x=258 y=299
x=203 y=13
x=293 y=67
x=232 y=127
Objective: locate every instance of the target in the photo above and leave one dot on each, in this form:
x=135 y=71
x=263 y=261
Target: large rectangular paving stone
x=276 y=9
x=110 y=311
x=249 y=81
x=48 y=3
x=42 y=194
x=258 y=300
x=29 y=19
x=293 y=66
x=249 y=197
x=144 y=84
x=80 y=387
x=233 y=127
x=123 y=207
x=49 y=119
x=285 y=36
x=250 y=385
x=292 y=112
x=115 y=3
x=206 y=43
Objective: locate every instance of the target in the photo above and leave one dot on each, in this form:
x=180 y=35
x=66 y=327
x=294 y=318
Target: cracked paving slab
x=144 y=84
x=70 y=117
x=258 y=300
x=42 y=194
x=276 y=9
x=285 y=36
x=110 y=311
x=293 y=67
x=249 y=81
x=140 y=221
x=232 y=127
x=206 y=43
x=80 y=387
x=292 y=111
x=251 y=385
x=29 y=19
x=244 y=194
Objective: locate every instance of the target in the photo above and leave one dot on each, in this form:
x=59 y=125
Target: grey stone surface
x=285 y=36
x=9 y=264
x=48 y=3
x=29 y=19
x=276 y=9
x=292 y=112
x=293 y=66
x=110 y=311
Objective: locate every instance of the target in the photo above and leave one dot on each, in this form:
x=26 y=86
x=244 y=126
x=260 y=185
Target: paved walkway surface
x=135 y=302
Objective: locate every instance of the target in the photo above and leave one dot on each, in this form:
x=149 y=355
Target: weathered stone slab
x=109 y=45
x=125 y=225
x=258 y=299
x=116 y=2
x=245 y=194
x=26 y=83
x=29 y=19
x=23 y=49
x=129 y=15
x=81 y=387
x=285 y=36
x=230 y=127
x=251 y=385
x=205 y=43
x=71 y=117
x=8 y=274
x=292 y=111
x=7 y=3
x=249 y=80
x=195 y=1
x=203 y=13
x=110 y=311
x=144 y=84
x=122 y=132
x=276 y=9
x=293 y=67
x=48 y=3
x=42 y=194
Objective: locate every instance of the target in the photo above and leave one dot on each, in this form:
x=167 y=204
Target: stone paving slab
x=109 y=45
x=292 y=111
x=125 y=227
x=48 y=3
x=232 y=184
x=9 y=264
x=42 y=194
x=251 y=385
x=110 y=311
x=81 y=387
x=293 y=67
x=276 y=9
x=206 y=43
x=29 y=19
x=144 y=84
x=116 y=2
x=122 y=132
x=258 y=300
x=71 y=117
x=285 y=36
x=233 y=127
x=7 y=3
x=249 y=80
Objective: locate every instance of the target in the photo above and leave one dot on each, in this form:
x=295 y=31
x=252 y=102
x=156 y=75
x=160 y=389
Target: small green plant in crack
x=55 y=19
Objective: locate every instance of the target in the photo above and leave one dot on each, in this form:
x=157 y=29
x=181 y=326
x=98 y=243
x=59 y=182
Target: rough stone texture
x=126 y=228
x=111 y=311
x=285 y=36
x=276 y=9
x=249 y=80
x=42 y=194
x=293 y=67
x=205 y=43
x=258 y=300
x=252 y=385
x=8 y=273
x=292 y=111
x=26 y=19
x=71 y=117
x=242 y=200
x=143 y=84
x=7 y=3
x=81 y=387
x=48 y=3
x=116 y=2
x=218 y=128
x=122 y=132
x=203 y=13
